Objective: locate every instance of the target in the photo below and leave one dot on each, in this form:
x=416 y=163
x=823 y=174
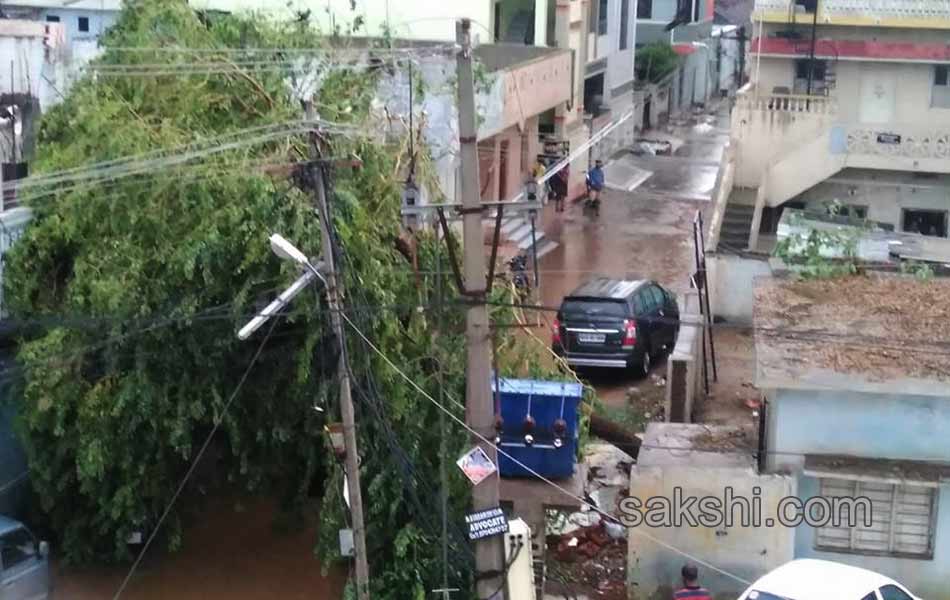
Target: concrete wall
x=653 y=570
x=864 y=425
x=685 y=364
x=766 y=135
x=533 y=88
x=618 y=88
x=925 y=578
x=884 y=194
x=730 y=284
x=99 y=20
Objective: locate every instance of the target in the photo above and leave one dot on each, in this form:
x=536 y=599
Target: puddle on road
x=232 y=551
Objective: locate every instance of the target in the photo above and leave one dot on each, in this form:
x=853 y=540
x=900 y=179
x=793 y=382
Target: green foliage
x=821 y=253
x=920 y=270
x=175 y=259
x=656 y=61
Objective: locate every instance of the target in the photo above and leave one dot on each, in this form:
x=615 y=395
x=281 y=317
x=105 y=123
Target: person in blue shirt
x=595 y=180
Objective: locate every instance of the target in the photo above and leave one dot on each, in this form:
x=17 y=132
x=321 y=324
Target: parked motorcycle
x=518 y=272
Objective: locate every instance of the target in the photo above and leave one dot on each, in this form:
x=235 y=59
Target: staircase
x=517 y=230
x=736 y=225
x=802 y=168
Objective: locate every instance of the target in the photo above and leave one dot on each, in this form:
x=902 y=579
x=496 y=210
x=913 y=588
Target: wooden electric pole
x=479 y=409
x=335 y=304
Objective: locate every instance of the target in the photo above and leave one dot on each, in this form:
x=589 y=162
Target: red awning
x=859 y=49
x=684 y=49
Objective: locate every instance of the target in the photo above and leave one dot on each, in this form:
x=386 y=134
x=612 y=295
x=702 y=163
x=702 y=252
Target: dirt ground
x=732 y=399
x=232 y=552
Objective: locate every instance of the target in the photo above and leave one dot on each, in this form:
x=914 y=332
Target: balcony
x=527 y=81
x=922 y=14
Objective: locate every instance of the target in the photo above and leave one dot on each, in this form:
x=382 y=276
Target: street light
x=284 y=249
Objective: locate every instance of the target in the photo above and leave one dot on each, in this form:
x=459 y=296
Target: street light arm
x=281 y=301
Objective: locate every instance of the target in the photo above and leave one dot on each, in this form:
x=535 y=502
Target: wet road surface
x=643 y=234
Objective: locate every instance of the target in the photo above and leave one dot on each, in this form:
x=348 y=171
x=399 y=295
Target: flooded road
x=231 y=552
x=646 y=233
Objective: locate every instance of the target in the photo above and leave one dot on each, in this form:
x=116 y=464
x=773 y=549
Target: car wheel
x=645 y=364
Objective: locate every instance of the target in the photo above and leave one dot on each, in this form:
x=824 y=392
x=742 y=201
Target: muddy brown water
x=232 y=551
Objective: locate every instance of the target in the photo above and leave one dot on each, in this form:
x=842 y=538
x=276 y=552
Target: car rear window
x=593 y=308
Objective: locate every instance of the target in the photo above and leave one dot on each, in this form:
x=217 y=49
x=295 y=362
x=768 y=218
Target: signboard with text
x=486 y=523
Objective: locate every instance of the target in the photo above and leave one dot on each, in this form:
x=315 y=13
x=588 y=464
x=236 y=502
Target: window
x=851 y=211
x=941 y=75
x=902 y=520
x=659 y=299
x=870 y=596
x=645 y=9
x=52 y=18
x=624 y=23
x=638 y=307
x=801 y=70
x=892 y=592
x=649 y=300
x=697 y=6
x=602 y=17
x=16 y=547
x=940 y=97
x=583 y=309
x=926 y=222
x=84 y=24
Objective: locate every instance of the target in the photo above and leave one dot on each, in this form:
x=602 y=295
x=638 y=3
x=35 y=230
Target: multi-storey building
x=849 y=102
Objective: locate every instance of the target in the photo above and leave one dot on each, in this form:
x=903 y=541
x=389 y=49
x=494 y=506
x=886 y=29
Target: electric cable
x=527 y=468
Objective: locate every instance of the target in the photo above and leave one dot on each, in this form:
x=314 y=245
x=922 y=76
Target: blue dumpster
x=538 y=427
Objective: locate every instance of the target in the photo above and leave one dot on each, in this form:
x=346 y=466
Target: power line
x=534 y=473
x=194 y=464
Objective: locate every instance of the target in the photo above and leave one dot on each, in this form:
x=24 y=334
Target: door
x=878 y=94
x=663 y=335
x=648 y=326
x=23 y=573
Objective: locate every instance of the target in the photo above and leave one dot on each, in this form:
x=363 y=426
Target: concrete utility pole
x=479 y=409
x=334 y=303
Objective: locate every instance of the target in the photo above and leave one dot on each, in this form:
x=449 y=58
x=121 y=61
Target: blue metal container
x=551 y=449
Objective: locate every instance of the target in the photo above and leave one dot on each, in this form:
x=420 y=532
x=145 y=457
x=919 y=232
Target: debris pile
x=594 y=557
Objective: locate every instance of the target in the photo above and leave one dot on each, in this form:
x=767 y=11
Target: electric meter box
x=539 y=427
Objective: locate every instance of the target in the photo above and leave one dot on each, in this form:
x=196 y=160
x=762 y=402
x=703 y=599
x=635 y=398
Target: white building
x=867 y=124
x=82 y=20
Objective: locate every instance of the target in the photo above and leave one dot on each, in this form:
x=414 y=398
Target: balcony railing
x=911 y=13
x=790 y=103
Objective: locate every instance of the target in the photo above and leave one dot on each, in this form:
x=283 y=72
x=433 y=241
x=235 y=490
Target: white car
x=809 y=579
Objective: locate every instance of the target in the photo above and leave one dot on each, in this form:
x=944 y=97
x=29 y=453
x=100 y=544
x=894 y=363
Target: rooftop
x=697 y=445
x=875 y=333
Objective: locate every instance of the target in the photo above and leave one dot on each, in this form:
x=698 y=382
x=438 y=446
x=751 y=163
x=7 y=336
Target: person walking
x=691 y=589
x=561 y=179
x=595 y=183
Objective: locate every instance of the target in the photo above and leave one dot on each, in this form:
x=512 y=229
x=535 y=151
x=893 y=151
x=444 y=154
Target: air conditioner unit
x=519 y=554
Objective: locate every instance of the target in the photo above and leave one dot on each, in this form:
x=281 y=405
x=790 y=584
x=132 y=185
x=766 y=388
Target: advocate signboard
x=486 y=523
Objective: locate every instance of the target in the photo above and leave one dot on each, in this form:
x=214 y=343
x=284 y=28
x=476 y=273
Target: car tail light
x=629 y=333
x=556 y=332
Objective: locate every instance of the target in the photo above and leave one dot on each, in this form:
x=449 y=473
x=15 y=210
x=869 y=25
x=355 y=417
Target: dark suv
x=616 y=324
